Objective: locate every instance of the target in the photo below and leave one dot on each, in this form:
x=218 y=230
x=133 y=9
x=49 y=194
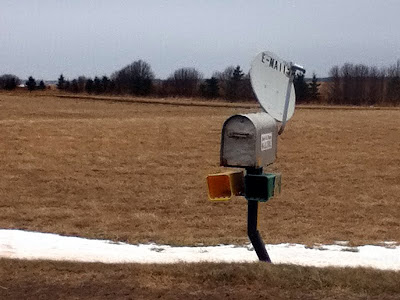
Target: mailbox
x=249 y=141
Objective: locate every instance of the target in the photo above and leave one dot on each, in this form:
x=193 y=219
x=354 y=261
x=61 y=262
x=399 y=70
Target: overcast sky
x=77 y=37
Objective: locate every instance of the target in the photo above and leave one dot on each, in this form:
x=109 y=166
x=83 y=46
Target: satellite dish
x=272 y=80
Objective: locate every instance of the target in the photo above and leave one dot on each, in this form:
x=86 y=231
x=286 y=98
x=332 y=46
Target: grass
x=61 y=280
x=136 y=172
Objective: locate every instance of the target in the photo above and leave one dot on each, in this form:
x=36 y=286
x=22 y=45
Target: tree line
x=138 y=79
x=364 y=85
x=10 y=82
x=350 y=84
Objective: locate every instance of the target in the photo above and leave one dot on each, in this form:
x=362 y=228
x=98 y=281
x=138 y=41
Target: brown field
x=136 y=172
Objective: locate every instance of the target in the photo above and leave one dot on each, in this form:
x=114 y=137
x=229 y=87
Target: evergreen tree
x=105 y=84
x=67 y=85
x=89 y=86
x=31 y=84
x=42 y=86
x=209 y=88
x=301 y=88
x=111 y=86
x=81 y=83
x=74 y=86
x=234 y=84
x=237 y=74
x=61 y=82
x=314 y=88
x=97 y=88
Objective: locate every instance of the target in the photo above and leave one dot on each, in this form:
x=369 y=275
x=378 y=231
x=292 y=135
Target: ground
x=135 y=172
x=50 y=280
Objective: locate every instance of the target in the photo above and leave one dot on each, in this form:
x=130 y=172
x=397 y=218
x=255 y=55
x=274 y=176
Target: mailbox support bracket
x=252 y=220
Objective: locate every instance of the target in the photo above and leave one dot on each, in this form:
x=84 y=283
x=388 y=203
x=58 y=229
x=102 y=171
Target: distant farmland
x=136 y=172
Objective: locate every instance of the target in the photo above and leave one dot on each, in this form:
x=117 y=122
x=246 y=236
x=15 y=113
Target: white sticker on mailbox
x=266 y=141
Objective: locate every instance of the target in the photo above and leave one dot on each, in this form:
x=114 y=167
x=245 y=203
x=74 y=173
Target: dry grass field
x=62 y=280
x=136 y=172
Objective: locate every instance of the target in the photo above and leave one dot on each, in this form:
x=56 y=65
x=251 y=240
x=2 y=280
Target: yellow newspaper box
x=222 y=186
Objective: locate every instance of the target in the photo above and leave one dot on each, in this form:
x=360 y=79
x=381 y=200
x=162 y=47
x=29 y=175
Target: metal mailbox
x=249 y=140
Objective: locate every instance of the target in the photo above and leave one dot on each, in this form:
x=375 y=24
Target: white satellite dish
x=270 y=77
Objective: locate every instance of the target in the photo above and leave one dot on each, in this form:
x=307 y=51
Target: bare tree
x=136 y=78
x=184 y=82
x=347 y=83
x=393 y=84
x=223 y=79
x=9 y=82
x=364 y=85
x=335 y=94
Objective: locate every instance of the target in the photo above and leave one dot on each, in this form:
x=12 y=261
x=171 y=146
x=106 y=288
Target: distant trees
x=223 y=79
x=313 y=88
x=9 y=82
x=99 y=85
x=97 y=88
x=81 y=82
x=393 y=83
x=31 y=84
x=61 y=82
x=183 y=82
x=135 y=79
x=354 y=84
x=234 y=84
x=74 y=86
x=364 y=85
x=335 y=93
x=89 y=86
x=41 y=86
x=301 y=88
x=210 y=88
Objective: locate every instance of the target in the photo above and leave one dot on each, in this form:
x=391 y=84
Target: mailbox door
x=238 y=142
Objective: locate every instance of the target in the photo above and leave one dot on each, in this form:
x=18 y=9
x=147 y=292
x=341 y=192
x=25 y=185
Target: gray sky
x=81 y=37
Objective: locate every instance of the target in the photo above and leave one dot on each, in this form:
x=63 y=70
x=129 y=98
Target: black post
x=252 y=232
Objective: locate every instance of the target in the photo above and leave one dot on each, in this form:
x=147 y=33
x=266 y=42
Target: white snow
x=20 y=244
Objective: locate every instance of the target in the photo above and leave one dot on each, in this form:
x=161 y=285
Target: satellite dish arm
x=293 y=69
x=296 y=67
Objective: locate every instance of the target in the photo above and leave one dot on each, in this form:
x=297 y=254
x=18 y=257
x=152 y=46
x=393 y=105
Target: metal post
x=293 y=68
x=252 y=219
x=287 y=99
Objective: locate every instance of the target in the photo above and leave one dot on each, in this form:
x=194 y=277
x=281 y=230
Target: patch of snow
x=389 y=243
x=19 y=244
x=342 y=243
